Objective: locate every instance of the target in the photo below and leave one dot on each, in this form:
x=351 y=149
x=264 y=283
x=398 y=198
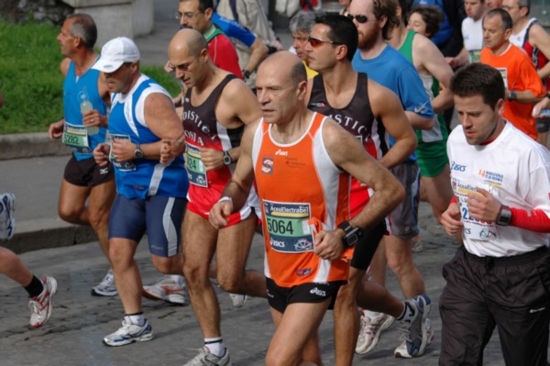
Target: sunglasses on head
x=360 y=18
x=316 y=42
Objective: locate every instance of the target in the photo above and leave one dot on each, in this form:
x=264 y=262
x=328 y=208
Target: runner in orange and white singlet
x=302 y=163
x=293 y=215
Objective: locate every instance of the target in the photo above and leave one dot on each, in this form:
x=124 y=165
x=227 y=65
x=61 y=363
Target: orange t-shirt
x=302 y=192
x=519 y=74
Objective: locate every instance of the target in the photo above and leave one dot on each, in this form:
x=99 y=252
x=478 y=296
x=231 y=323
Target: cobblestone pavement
x=79 y=322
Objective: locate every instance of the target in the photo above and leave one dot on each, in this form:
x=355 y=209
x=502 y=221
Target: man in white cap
x=150 y=195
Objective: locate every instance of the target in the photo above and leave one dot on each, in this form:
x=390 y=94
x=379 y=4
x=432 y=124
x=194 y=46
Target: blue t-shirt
x=233 y=29
x=392 y=70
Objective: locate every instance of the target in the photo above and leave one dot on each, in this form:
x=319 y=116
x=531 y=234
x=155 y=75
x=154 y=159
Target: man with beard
x=386 y=66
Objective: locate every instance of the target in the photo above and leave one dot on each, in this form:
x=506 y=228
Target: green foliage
x=30 y=79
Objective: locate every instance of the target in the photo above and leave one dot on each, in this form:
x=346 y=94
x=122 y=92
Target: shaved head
x=189 y=41
x=293 y=70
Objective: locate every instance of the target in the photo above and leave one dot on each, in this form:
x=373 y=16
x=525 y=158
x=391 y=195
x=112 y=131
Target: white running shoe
x=206 y=358
x=166 y=289
x=417 y=333
x=41 y=305
x=370 y=331
x=238 y=300
x=106 y=287
x=7 y=218
x=129 y=333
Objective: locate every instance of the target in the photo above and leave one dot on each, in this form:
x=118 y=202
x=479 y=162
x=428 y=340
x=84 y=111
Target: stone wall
x=20 y=11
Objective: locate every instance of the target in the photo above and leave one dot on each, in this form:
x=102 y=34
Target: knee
x=97 y=218
x=69 y=214
x=273 y=359
x=229 y=281
x=170 y=265
x=400 y=264
x=195 y=273
x=120 y=257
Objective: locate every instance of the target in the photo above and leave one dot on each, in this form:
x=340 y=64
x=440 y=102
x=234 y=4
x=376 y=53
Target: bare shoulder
x=538 y=33
x=381 y=98
x=236 y=90
x=424 y=46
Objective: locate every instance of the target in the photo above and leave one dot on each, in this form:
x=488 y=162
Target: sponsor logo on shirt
x=316 y=291
x=281 y=152
x=421 y=109
x=493 y=178
x=458 y=167
x=267 y=165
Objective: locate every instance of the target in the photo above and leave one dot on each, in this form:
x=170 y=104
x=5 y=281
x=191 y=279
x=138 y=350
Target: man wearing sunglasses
x=368 y=111
x=385 y=65
x=217 y=106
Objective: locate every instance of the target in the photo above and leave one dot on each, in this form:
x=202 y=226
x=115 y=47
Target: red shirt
x=223 y=53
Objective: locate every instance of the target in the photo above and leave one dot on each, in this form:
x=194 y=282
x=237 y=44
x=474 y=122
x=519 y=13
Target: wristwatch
x=548 y=95
x=246 y=74
x=352 y=234
x=138 y=153
x=512 y=95
x=504 y=216
x=227 y=160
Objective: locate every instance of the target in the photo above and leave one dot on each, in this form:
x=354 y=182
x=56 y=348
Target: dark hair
x=83 y=27
x=342 y=31
x=206 y=4
x=386 y=8
x=203 y=4
x=504 y=16
x=525 y=4
x=479 y=79
x=431 y=15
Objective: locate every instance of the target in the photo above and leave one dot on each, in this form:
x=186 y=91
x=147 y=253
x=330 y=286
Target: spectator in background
x=425 y=19
x=528 y=34
x=523 y=85
x=472 y=32
x=494 y=4
x=300 y=26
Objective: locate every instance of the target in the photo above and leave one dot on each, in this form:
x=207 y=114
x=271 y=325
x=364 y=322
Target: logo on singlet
x=267 y=165
x=281 y=152
x=317 y=105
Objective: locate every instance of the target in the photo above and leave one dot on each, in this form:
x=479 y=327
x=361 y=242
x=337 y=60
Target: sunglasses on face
x=360 y=18
x=316 y=42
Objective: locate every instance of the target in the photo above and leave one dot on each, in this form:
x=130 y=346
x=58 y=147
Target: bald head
x=188 y=41
x=293 y=70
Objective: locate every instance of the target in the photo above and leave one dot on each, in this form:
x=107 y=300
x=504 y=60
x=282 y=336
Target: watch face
x=138 y=154
x=227 y=158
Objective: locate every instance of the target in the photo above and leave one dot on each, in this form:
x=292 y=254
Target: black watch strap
x=352 y=234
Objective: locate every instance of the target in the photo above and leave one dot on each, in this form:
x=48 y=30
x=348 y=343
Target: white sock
x=215 y=346
x=136 y=319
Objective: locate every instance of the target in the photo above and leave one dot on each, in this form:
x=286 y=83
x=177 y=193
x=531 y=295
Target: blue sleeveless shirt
x=141 y=178
x=75 y=89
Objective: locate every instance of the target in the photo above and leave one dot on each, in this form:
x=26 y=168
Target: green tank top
x=438 y=133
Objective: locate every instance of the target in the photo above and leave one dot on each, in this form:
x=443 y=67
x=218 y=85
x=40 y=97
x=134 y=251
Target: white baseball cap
x=116 y=52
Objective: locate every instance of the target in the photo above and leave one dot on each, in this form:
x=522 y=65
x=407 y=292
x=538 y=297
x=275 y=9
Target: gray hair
x=303 y=21
x=84 y=27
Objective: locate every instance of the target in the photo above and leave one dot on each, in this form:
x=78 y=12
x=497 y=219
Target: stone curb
x=42 y=233
x=29 y=145
x=46 y=234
